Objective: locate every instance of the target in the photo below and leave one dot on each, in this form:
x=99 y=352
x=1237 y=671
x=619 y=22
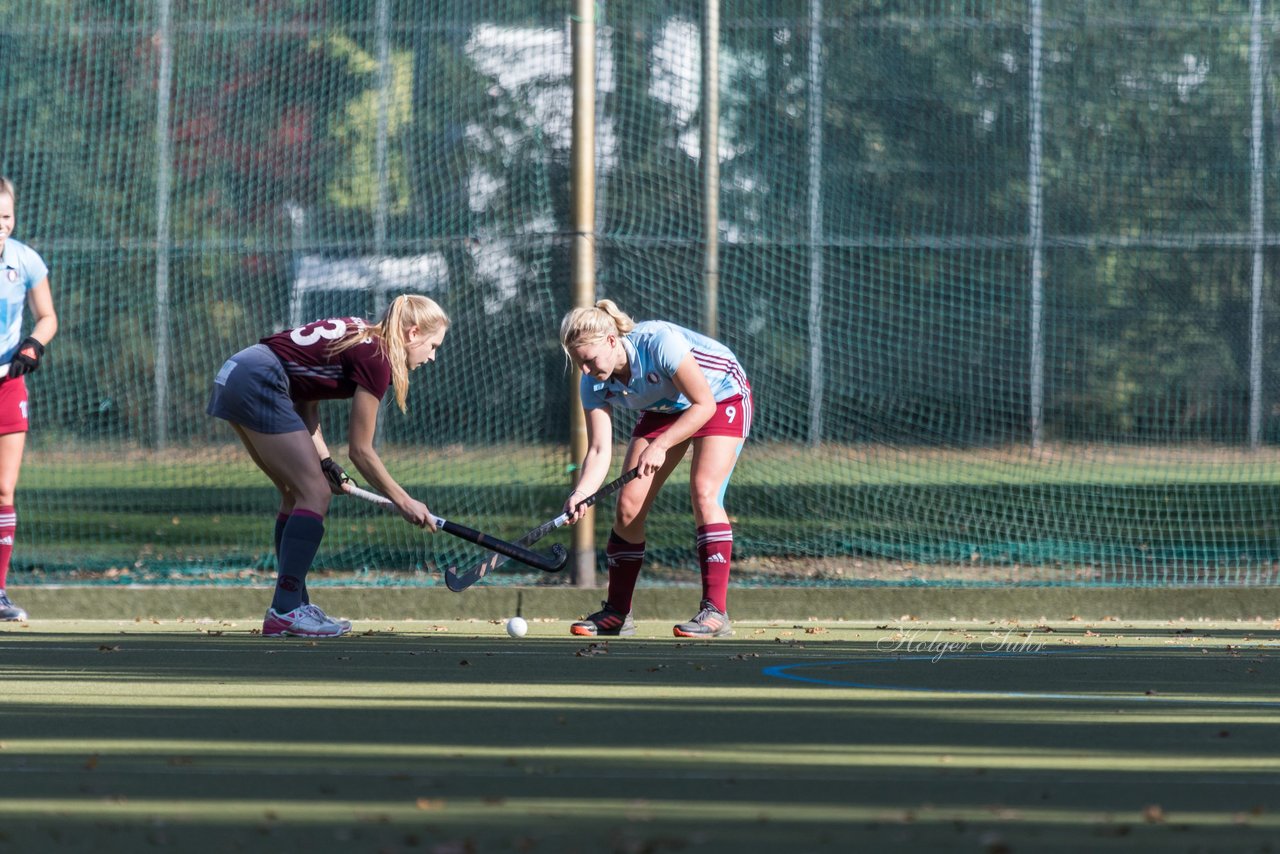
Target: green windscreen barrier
x=1002 y=274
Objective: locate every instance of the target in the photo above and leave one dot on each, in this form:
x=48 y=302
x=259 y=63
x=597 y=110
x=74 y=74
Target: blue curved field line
x=783 y=671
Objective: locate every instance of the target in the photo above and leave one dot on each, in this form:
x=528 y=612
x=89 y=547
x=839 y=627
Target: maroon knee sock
x=624 y=568
x=715 y=548
x=8 y=524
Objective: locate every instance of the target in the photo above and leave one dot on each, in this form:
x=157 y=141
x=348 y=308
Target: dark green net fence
x=1002 y=273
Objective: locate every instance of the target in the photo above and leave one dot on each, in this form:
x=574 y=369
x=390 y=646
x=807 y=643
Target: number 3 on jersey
x=330 y=330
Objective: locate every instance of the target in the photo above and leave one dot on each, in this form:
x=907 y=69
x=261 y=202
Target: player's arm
x=40 y=302
x=361 y=430
x=27 y=357
x=595 y=464
x=693 y=384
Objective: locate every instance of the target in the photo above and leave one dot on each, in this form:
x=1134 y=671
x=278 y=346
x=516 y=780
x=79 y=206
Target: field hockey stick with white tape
x=553 y=562
x=459 y=581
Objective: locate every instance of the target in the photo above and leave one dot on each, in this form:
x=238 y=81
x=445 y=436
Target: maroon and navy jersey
x=317 y=374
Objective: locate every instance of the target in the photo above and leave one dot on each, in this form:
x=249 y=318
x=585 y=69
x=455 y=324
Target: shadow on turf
x=435 y=719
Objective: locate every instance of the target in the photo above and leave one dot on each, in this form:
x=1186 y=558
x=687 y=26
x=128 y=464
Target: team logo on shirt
x=652 y=377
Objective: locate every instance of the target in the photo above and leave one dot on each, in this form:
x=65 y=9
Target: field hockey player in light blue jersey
x=271 y=392
x=693 y=394
x=24 y=278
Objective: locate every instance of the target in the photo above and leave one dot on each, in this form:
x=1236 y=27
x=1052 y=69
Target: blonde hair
x=7 y=189
x=388 y=333
x=593 y=323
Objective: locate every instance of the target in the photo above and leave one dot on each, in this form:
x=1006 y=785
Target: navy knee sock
x=281 y=520
x=299 y=540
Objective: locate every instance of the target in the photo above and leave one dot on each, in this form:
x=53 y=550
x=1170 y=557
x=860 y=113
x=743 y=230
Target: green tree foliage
x=921 y=244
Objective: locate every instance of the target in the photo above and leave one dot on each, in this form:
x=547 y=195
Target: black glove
x=27 y=359
x=336 y=476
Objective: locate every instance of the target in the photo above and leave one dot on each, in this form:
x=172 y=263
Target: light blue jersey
x=21 y=269
x=655 y=350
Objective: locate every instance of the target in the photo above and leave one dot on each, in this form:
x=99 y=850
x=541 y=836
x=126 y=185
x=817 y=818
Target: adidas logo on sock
x=716 y=558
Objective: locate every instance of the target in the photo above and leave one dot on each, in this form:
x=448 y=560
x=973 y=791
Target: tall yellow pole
x=710 y=162
x=583 y=251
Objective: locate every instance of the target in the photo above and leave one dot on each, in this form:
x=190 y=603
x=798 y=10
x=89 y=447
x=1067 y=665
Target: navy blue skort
x=252 y=390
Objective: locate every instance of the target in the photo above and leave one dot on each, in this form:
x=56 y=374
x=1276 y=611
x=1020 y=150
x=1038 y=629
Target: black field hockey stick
x=552 y=562
x=459 y=581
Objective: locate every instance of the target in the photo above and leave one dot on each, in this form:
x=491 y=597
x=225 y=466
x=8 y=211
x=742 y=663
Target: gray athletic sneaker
x=346 y=624
x=10 y=612
x=606 y=622
x=710 y=622
x=303 y=622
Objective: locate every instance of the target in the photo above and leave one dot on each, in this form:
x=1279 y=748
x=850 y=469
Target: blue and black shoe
x=10 y=612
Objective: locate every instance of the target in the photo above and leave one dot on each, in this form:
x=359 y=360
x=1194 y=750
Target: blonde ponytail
x=388 y=334
x=586 y=325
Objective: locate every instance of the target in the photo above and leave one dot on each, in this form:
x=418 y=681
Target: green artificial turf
x=198 y=734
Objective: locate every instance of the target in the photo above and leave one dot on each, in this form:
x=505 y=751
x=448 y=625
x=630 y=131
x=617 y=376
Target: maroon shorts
x=732 y=418
x=13 y=405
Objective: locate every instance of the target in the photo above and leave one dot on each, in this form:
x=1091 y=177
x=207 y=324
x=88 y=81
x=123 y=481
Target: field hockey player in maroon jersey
x=270 y=393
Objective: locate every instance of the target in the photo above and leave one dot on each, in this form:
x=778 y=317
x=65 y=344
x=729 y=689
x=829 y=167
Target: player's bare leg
x=286 y=497
x=714 y=458
x=11 y=448
x=625 y=549
x=290 y=460
x=286 y=500
x=637 y=497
